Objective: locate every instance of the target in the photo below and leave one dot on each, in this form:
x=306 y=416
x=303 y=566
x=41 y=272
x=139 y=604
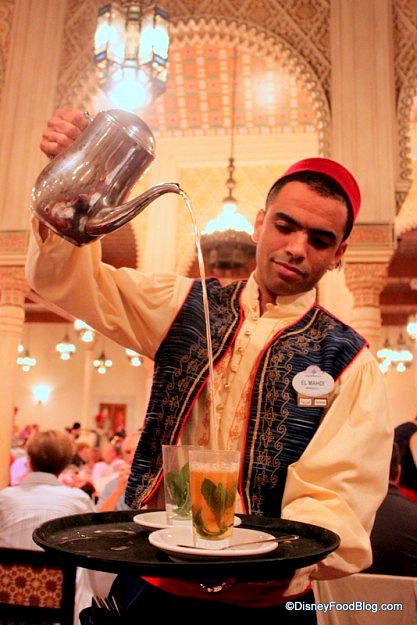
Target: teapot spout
x=109 y=218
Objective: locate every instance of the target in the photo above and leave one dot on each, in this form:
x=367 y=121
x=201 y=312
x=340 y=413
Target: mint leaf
x=218 y=499
x=179 y=487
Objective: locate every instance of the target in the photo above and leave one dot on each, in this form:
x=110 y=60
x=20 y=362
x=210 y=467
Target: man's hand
x=111 y=502
x=63 y=128
x=300 y=581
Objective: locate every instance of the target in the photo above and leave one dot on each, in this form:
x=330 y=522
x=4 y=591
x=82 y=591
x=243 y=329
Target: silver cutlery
x=104 y=603
x=277 y=539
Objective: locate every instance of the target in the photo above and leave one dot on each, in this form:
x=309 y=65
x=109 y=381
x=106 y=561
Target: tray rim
x=265 y=566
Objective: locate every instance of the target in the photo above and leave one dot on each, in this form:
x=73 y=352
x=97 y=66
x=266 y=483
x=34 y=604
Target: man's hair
x=49 y=451
x=320 y=183
x=395 y=463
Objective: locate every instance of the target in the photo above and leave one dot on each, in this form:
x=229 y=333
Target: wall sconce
x=41 y=393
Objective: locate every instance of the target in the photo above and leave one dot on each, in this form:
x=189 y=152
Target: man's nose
x=297 y=245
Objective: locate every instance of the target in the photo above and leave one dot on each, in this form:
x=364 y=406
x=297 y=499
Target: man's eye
x=320 y=243
x=285 y=228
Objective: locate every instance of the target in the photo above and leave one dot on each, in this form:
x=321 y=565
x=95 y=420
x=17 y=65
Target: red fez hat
x=334 y=170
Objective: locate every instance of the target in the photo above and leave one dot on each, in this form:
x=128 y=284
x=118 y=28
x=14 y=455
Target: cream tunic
x=342 y=476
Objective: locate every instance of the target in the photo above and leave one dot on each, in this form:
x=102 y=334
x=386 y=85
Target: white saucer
x=169 y=539
x=158 y=520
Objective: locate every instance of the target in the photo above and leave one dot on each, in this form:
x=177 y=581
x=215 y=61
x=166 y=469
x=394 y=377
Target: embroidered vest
x=277 y=431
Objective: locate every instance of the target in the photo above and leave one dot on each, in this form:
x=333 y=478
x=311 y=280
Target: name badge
x=313 y=387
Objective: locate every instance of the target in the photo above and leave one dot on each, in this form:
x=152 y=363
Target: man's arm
x=113 y=491
x=342 y=477
x=413 y=447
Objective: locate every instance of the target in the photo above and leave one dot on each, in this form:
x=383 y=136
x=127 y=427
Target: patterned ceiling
x=199 y=94
x=200 y=89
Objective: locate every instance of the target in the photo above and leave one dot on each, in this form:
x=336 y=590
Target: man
x=41 y=497
x=323 y=462
x=394 y=534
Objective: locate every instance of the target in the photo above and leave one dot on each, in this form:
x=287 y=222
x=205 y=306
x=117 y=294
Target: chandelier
x=412 y=327
x=102 y=363
x=131 y=52
x=85 y=332
x=25 y=361
x=134 y=358
x=65 y=348
x=399 y=357
x=227 y=240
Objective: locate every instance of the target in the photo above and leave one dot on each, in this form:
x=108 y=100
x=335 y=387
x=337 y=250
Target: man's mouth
x=287 y=269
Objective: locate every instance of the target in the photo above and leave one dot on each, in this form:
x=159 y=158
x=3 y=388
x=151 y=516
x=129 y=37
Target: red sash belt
x=245 y=594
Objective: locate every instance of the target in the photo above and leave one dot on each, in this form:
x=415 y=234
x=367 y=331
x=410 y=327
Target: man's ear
x=258 y=223
x=337 y=261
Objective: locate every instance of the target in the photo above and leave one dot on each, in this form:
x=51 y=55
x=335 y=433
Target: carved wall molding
x=405 y=102
x=13 y=247
x=6 y=19
x=405 y=72
x=373 y=234
x=371 y=243
x=404 y=15
x=13 y=286
x=366 y=281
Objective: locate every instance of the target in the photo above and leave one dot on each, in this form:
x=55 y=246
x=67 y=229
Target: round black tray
x=113 y=542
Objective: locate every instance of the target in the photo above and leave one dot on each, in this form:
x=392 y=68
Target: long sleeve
x=342 y=477
x=132 y=308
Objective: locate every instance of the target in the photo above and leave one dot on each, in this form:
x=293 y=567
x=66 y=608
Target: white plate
x=158 y=520
x=170 y=539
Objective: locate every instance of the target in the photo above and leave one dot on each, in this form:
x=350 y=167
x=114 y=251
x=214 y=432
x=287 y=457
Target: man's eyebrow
x=316 y=231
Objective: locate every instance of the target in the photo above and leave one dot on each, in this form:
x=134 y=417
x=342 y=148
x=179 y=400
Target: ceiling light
x=134 y=358
x=102 y=363
x=84 y=331
x=65 y=348
x=131 y=52
x=25 y=360
x=227 y=240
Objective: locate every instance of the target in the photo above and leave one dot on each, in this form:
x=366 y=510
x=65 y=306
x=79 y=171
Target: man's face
x=299 y=238
x=129 y=447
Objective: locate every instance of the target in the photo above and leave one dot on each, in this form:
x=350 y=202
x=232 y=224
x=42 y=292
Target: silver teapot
x=80 y=193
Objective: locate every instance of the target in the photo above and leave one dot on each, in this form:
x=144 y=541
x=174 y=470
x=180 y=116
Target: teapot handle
x=88 y=116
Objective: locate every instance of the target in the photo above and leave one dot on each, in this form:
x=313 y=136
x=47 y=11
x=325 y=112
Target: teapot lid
x=135 y=128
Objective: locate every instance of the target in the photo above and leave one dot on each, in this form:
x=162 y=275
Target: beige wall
x=121 y=384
